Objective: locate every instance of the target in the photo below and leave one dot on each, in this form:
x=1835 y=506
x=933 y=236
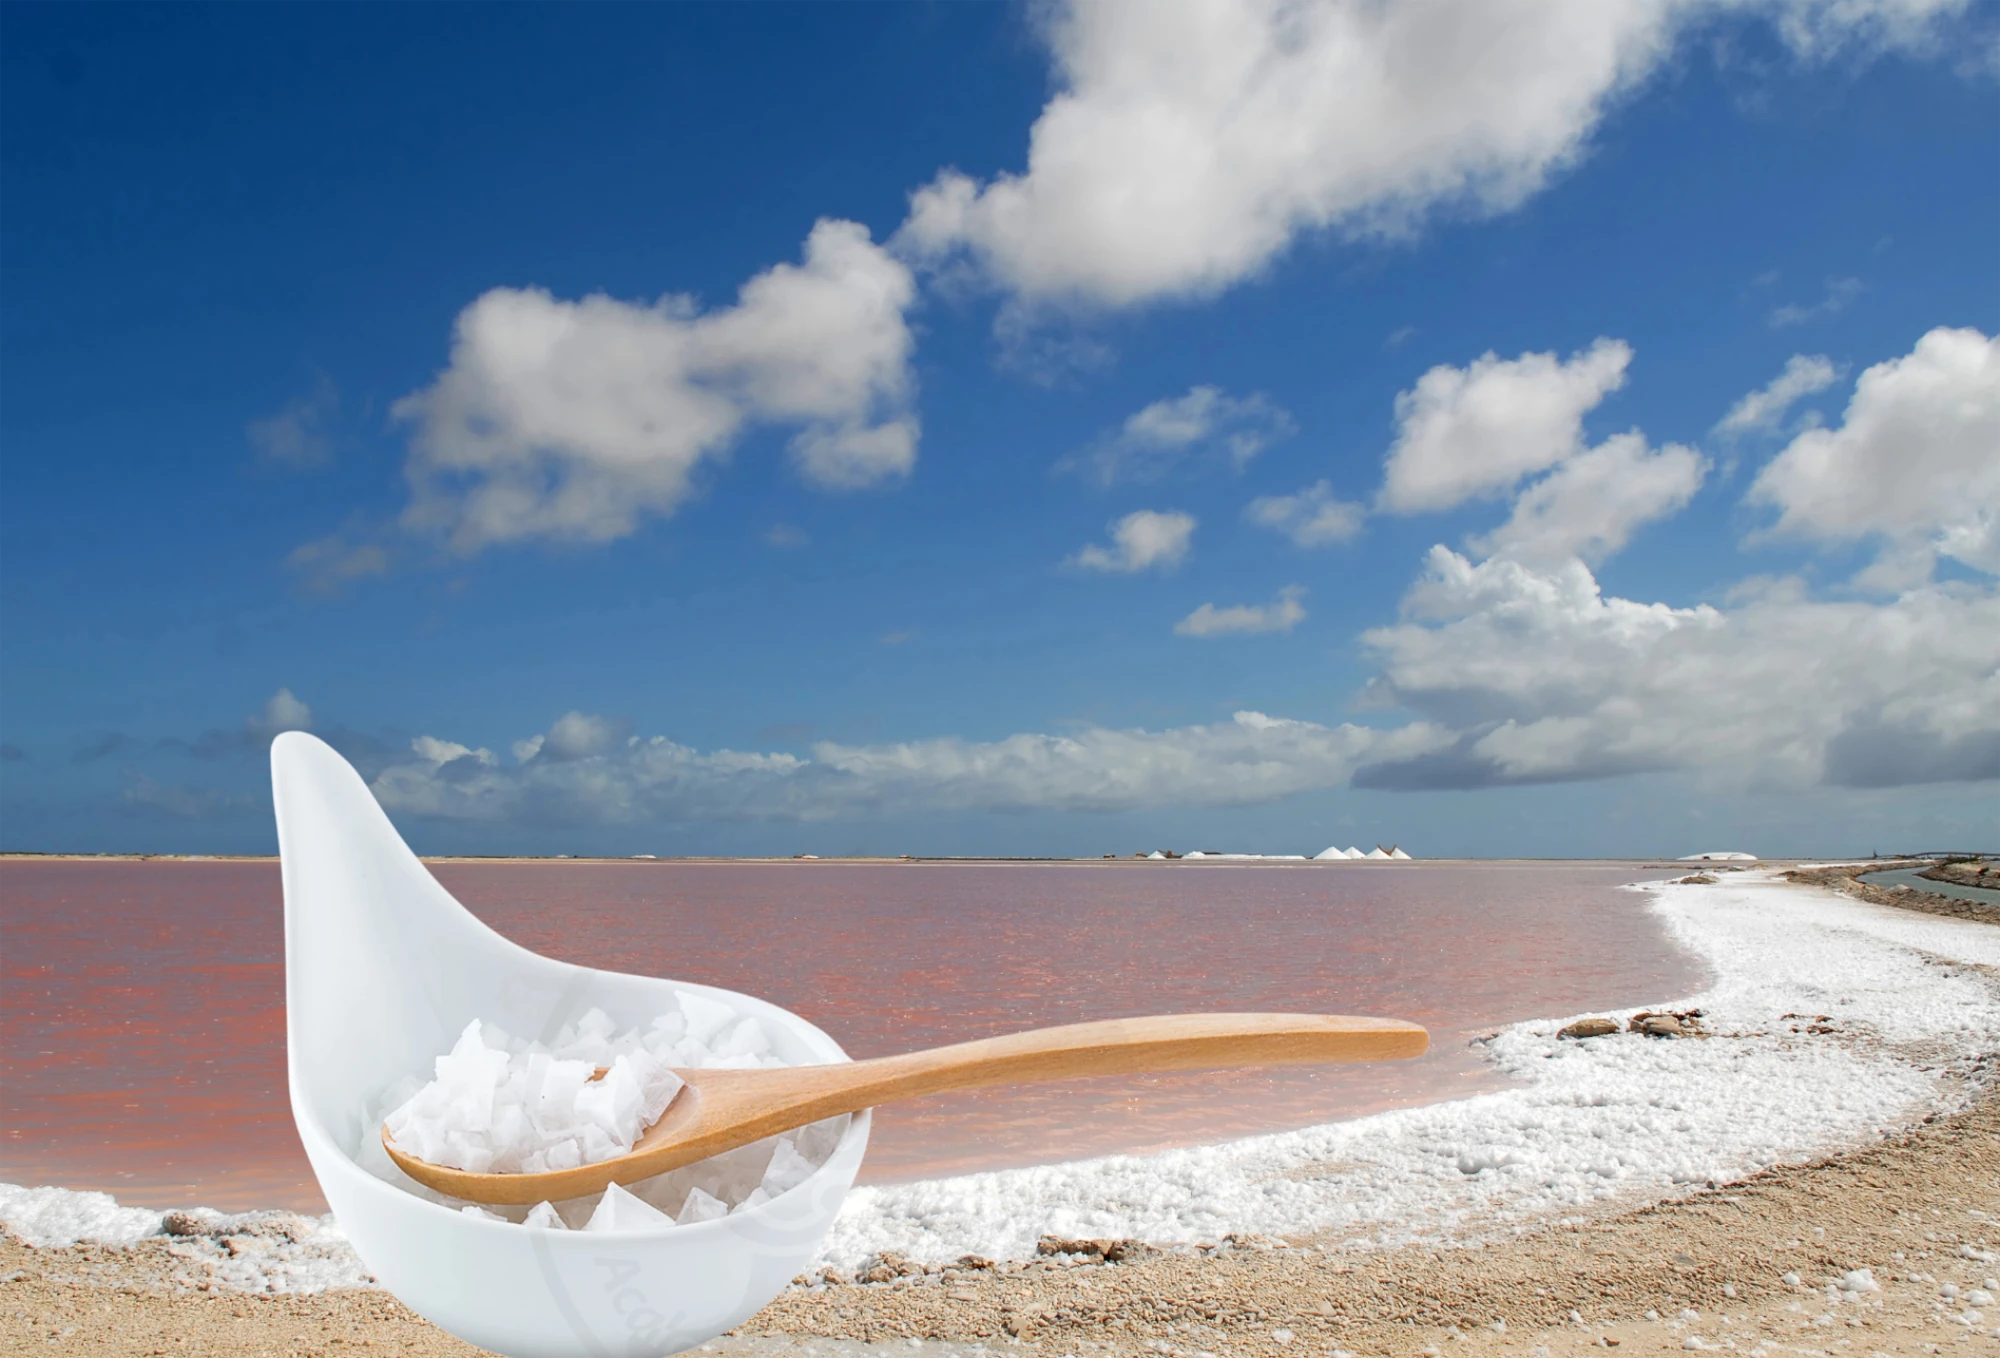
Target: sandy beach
x=1888 y=1247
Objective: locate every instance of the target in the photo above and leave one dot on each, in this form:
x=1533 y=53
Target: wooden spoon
x=719 y=1110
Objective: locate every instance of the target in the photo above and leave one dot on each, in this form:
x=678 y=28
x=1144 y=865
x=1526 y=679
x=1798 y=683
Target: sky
x=1494 y=427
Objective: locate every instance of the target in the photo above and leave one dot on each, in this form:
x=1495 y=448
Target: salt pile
x=506 y=1105
x=490 y=1111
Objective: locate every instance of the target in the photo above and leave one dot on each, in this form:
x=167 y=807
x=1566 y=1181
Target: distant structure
x=1718 y=858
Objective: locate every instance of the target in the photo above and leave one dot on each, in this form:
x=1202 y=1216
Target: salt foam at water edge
x=1618 y=1120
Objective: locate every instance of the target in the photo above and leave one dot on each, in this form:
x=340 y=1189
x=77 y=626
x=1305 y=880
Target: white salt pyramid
x=1375 y=852
x=1330 y=855
x=1353 y=852
x=621 y=1211
x=701 y=1206
x=1399 y=854
x=788 y=1168
x=706 y=1018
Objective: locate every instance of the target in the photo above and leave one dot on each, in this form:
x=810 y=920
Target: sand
x=1919 y=1211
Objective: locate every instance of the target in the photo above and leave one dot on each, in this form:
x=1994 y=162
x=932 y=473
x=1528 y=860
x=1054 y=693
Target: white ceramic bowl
x=383 y=970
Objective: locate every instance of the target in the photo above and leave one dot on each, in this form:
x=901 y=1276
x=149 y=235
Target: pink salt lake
x=142 y=1003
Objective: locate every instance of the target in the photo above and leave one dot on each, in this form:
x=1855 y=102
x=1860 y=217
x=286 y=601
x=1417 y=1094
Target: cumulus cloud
x=1206 y=424
x=296 y=437
x=1282 y=614
x=1482 y=430
x=572 y=420
x=1591 y=504
x=1766 y=407
x=1142 y=540
x=577 y=735
x=1465 y=433
x=1310 y=518
x=1545 y=678
x=1248 y=760
x=1914 y=465
x=1188 y=144
x=282 y=711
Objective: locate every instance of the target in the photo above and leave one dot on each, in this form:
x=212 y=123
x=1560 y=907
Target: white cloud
x=573 y=420
x=1249 y=760
x=1188 y=144
x=1840 y=295
x=1205 y=423
x=1141 y=540
x=1914 y=465
x=437 y=753
x=1282 y=614
x=1546 y=679
x=578 y=735
x=1310 y=518
x=1476 y=431
x=296 y=436
x=1766 y=407
x=1822 y=28
x=327 y=564
x=282 y=712
x=1591 y=504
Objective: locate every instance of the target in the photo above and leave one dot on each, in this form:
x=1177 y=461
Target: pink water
x=142 y=1003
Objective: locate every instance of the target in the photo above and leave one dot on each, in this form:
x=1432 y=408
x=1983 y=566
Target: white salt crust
x=1612 y=1121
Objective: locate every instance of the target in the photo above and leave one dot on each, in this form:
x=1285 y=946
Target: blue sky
x=926 y=428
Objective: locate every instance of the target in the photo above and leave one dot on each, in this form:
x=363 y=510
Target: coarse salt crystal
x=619 y=1210
x=701 y=1206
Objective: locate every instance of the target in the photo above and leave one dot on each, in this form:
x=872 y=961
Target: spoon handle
x=737 y=1107
x=1114 y=1047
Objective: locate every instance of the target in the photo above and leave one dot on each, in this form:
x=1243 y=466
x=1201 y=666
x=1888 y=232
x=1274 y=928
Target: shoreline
x=1710 y=1270
x=653 y=860
x=1356 y=1289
